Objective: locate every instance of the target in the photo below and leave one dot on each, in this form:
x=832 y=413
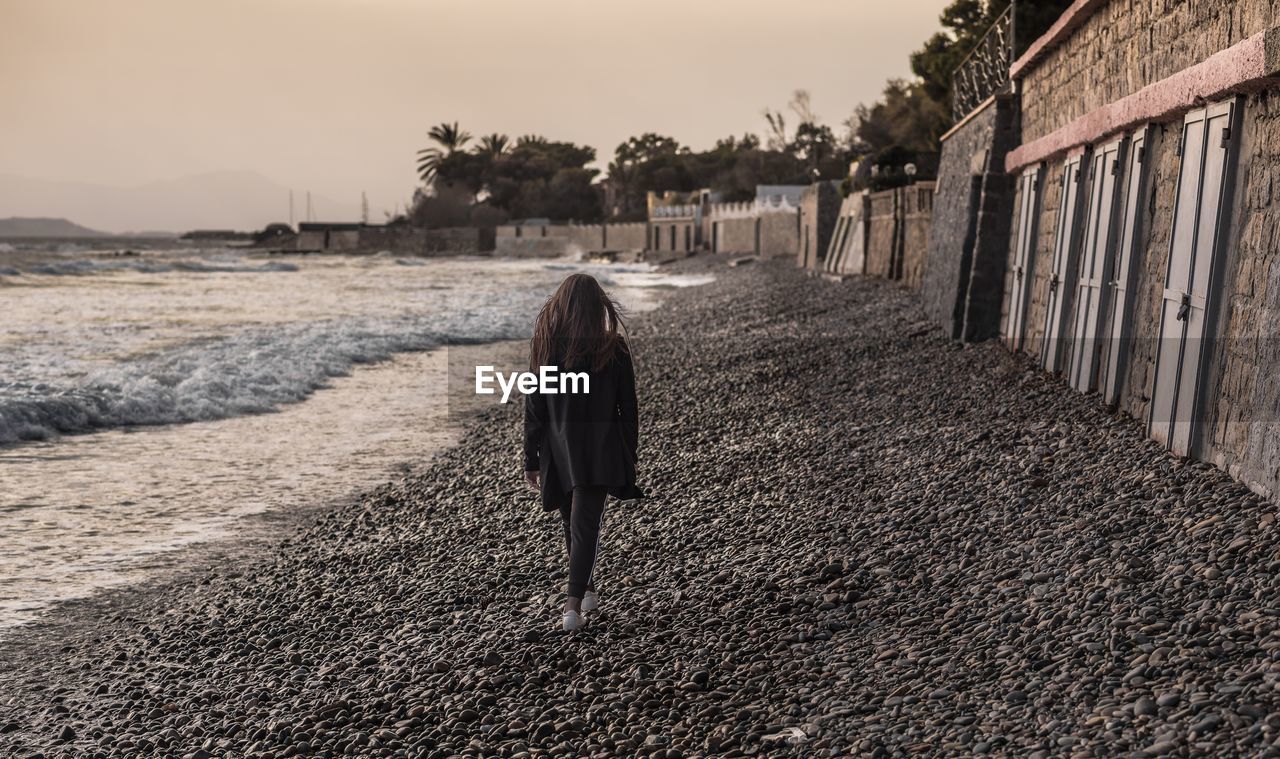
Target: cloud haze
x=336 y=95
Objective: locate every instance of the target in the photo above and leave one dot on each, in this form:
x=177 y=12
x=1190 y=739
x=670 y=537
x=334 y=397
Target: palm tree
x=494 y=145
x=449 y=139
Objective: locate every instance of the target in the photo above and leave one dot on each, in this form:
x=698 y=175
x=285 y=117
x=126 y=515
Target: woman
x=581 y=447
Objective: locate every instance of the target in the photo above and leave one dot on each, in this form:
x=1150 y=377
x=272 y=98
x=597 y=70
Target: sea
x=153 y=397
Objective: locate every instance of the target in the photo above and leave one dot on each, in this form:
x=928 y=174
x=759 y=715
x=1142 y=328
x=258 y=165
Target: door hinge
x=1226 y=137
x=1053 y=284
x=1142 y=154
x=1185 y=309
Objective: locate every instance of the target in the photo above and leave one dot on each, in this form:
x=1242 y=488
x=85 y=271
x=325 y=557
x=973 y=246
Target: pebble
x=861 y=537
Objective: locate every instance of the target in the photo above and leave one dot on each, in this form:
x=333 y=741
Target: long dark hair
x=579 y=327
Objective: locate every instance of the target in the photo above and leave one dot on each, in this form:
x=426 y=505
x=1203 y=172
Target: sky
x=335 y=96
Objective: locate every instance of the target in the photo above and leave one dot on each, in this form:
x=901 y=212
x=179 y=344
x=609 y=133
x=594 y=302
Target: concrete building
x=675 y=228
x=768 y=226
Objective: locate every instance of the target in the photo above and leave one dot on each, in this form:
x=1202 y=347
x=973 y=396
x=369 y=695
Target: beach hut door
x=1095 y=265
x=1120 y=316
x=1062 y=278
x=1024 y=257
x=1202 y=198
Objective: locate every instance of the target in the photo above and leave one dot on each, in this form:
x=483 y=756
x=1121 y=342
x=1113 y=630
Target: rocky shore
x=863 y=539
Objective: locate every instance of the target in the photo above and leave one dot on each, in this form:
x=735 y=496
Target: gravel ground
x=862 y=539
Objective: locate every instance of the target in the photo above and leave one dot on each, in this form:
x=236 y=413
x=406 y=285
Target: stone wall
x=848 y=250
x=969 y=226
x=402 y=240
x=625 y=237
x=587 y=238
x=779 y=234
x=309 y=240
x=1127 y=47
x=552 y=246
x=883 y=250
x=819 y=207
x=1127 y=44
x=1243 y=436
x=458 y=240
x=736 y=235
x=558 y=240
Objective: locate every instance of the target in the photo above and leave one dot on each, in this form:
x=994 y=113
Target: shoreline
x=861 y=538
x=249 y=536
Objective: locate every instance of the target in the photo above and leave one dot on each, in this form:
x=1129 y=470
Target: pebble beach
x=862 y=539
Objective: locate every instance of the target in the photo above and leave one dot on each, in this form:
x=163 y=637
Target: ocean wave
x=89 y=266
x=247 y=373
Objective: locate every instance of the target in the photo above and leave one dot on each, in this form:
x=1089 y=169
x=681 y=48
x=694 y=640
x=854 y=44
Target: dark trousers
x=582 y=519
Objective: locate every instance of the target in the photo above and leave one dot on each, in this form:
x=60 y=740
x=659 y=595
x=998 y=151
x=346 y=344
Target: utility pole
x=364 y=208
x=290 y=208
x=309 y=206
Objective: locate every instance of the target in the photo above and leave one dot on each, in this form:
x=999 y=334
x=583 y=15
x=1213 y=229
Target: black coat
x=585 y=439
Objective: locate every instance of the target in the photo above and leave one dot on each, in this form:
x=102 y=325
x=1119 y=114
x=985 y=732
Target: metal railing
x=985 y=70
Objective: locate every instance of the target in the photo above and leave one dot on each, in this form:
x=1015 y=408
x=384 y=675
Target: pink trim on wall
x=1240 y=68
x=1070 y=20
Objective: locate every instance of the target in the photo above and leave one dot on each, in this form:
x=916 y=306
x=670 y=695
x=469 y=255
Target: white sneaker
x=590 y=601
x=573 y=621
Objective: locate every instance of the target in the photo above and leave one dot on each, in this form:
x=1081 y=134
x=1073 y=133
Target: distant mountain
x=45 y=227
x=219 y=200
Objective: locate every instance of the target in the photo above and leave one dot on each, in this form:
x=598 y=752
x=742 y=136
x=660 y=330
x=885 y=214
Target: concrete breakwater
x=919 y=556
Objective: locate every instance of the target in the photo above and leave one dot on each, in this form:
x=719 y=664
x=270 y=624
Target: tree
x=494 y=145
x=905 y=125
x=650 y=162
x=964 y=24
x=814 y=145
x=776 y=138
x=449 y=140
x=905 y=116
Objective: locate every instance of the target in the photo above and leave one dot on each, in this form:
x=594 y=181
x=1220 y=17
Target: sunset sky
x=336 y=95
